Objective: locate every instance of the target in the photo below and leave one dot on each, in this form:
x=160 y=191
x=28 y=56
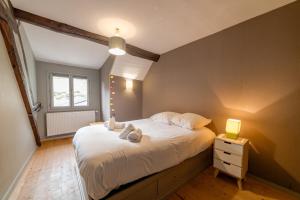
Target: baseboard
x=291 y=192
x=58 y=137
x=15 y=186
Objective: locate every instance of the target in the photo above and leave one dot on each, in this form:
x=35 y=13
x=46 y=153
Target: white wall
x=16 y=138
x=105 y=71
x=31 y=65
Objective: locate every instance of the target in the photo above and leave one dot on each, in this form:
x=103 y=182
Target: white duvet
x=105 y=161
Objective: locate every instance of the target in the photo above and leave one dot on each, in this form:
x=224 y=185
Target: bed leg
x=216 y=172
x=239 y=183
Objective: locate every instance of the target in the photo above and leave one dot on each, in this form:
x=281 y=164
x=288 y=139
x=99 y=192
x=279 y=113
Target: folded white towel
x=135 y=135
x=126 y=131
x=116 y=125
x=111 y=123
x=110 y=126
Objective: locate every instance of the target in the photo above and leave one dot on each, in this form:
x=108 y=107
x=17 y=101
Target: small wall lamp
x=233 y=127
x=129 y=84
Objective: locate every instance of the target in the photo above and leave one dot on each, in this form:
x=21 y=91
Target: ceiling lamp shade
x=117 y=45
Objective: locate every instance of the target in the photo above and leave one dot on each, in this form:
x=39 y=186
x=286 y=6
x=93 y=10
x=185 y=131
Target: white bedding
x=105 y=161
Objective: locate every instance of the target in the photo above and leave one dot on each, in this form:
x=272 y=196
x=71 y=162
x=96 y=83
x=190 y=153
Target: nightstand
x=231 y=157
x=96 y=123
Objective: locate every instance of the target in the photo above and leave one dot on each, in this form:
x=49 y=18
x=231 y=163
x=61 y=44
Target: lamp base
x=232 y=136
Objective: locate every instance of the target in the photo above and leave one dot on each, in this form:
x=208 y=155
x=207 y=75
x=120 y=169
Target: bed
x=106 y=162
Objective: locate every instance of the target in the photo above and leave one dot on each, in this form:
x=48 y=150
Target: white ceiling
x=131 y=67
x=158 y=26
x=58 y=48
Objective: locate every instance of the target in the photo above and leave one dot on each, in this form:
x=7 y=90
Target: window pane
x=80 y=91
x=61 y=91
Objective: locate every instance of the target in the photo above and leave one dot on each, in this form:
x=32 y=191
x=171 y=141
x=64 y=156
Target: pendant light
x=117 y=45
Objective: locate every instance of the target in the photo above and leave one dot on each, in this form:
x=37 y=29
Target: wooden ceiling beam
x=77 y=32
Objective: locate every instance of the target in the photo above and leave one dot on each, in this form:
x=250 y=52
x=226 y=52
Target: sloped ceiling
x=157 y=26
x=131 y=67
x=58 y=48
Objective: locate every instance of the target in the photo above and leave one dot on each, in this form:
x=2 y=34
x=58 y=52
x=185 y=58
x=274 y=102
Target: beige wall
x=250 y=71
x=16 y=138
x=44 y=70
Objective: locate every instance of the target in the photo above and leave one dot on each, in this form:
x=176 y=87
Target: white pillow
x=193 y=121
x=176 y=120
x=164 y=117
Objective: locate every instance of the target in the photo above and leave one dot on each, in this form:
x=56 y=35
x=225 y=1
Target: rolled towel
x=135 y=136
x=111 y=123
x=126 y=131
x=119 y=125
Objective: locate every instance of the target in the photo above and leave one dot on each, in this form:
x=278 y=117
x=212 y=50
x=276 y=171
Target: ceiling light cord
x=117 y=32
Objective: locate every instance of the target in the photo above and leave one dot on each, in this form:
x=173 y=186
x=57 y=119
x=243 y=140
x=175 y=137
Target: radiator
x=59 y=123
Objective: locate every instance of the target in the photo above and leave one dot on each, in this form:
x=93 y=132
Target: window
x=80 y=91
x=69 y=91
x=60 y=91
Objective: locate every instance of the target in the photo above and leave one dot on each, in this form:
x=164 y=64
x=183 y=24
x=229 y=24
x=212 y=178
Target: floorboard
x=52 y=175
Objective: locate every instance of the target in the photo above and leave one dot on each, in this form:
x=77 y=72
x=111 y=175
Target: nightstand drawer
x=228 y=157
x=228 y=168
x=228 y=147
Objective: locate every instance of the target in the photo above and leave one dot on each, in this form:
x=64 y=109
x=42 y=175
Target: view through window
x=61 y=91
x=80 y=91
x=65 y=87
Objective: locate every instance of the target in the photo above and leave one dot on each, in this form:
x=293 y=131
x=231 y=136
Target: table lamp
x=233 y=127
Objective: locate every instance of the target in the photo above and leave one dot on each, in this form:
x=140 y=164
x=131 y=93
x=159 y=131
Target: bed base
x=160 y=185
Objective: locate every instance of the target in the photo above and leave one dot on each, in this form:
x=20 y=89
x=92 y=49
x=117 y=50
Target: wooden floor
x=52 y=173
x=205 y=186
x=52 y=176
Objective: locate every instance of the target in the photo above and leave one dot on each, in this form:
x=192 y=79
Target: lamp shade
x=117 y=46
x=233 y=127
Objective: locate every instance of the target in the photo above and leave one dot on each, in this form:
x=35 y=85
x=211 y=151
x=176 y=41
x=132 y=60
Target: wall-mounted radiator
x=59 y=123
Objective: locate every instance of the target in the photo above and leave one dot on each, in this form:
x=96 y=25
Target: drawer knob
x=227 y=163
x=227 y=142
x=227 y=153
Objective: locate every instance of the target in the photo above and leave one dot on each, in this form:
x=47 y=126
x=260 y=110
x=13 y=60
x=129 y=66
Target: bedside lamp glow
x=233 y=127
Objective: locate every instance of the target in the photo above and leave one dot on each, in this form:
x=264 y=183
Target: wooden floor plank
x=52 y=176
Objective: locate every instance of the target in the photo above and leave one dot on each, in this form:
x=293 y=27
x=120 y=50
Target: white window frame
x=71 y=89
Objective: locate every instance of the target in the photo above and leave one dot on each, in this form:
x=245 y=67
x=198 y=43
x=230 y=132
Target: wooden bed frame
x=160 y=185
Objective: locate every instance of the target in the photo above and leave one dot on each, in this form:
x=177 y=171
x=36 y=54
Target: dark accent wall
x=250 y=71
x=127 y=103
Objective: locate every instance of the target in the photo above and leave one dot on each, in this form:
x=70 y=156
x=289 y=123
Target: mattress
x=106 y=162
